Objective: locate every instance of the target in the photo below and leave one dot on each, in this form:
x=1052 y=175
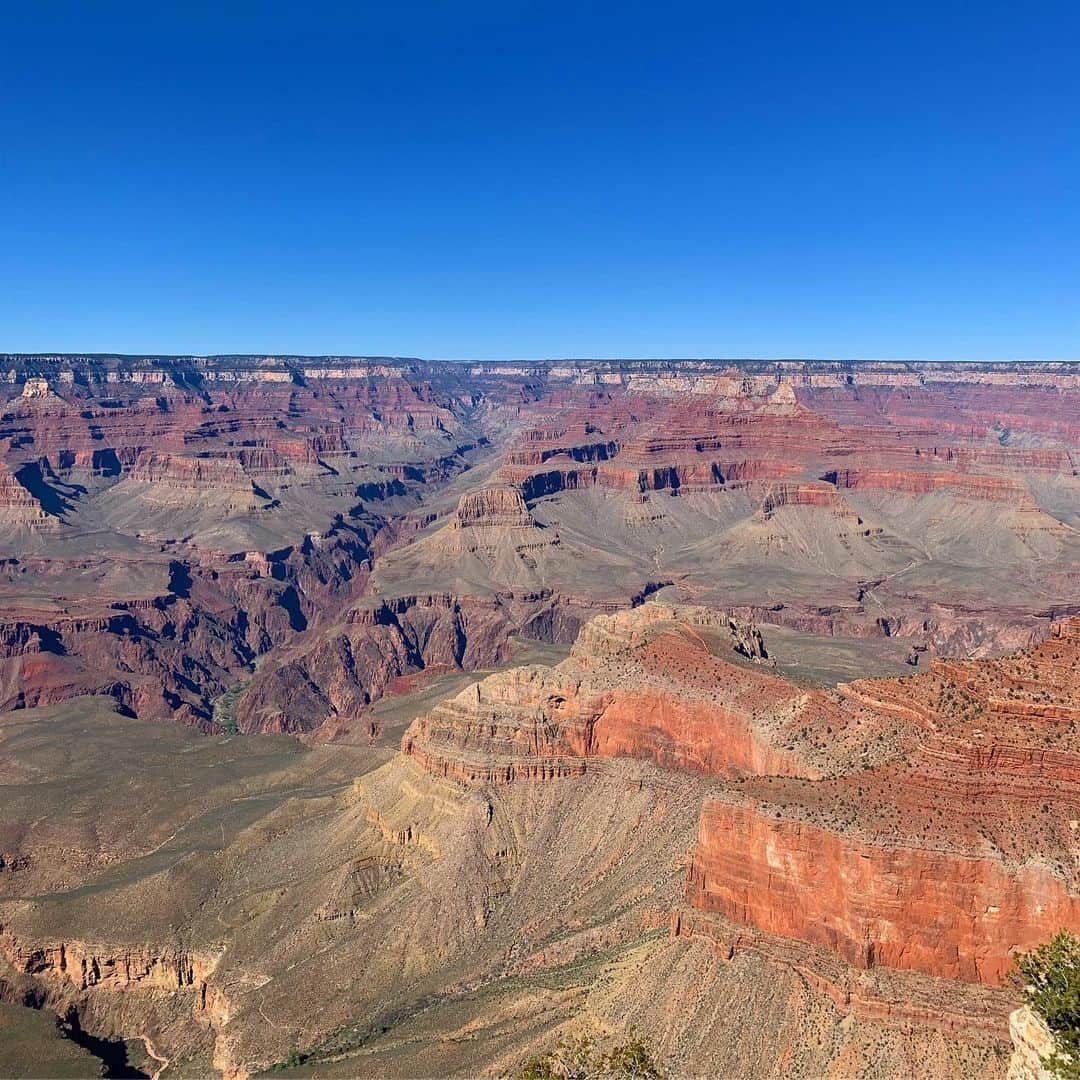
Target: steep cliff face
x=836 y=824
x=18 y=506
x=963 y=485
x=947 y=914
x=944 y=859
x=83 y=966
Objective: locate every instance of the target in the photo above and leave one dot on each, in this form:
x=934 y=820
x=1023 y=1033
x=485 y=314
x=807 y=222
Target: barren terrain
x=402 y=717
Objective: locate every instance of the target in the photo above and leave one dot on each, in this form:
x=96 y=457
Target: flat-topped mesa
x=173 y=482
x=645 y=683
x=189 y=473
x=37 y=389
x=492 y=506
x=234 y=469
x=805 y=494
x=491 y=545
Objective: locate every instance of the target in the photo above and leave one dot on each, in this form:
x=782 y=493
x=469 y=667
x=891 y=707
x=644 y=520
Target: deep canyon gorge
x=396 y=718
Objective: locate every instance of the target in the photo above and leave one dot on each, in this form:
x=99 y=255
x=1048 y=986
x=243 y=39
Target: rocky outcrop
x=643 y=684
x=18 y=507
x=83 y=966
x=492 y=507
x=747 y=640
x=1032 y=1042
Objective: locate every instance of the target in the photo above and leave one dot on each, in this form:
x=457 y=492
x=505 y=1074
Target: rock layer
x=837 y=823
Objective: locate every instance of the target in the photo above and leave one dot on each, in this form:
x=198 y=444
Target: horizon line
x=288 y=353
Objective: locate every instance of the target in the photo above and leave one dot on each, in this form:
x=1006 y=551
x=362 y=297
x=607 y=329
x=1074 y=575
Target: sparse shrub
x=632 y=1059
x=225 y=709
x=582 y=1059
x=293 y=1061
x=1050 y=980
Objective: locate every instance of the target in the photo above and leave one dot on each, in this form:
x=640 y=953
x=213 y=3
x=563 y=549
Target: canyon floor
x=381 y=718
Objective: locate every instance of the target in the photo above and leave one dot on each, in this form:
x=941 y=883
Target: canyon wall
x=850 y=820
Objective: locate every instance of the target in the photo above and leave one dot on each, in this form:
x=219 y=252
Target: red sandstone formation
x=625 y=690
x=924 y=824
x=948 y=914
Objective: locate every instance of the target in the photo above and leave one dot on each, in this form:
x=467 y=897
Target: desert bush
x=1049 y=977
x=582 y=1059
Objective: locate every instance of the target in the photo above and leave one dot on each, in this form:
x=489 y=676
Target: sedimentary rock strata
x=657 y=818
x=851 y=499
x=735 y=814
x=923 y=824
x=87 y=966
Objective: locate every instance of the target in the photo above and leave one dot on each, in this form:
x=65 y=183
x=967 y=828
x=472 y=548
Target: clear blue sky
x=526 y=180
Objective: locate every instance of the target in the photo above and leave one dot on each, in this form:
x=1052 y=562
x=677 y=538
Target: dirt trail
x=145 y=1039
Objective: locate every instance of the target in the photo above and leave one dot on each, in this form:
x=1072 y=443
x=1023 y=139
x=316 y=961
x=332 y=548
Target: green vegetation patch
x=1050 y=977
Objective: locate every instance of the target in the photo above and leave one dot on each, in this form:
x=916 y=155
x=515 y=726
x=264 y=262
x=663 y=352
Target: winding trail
x=155 y=1055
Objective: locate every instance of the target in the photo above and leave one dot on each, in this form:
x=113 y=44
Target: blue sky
x=529 y=180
